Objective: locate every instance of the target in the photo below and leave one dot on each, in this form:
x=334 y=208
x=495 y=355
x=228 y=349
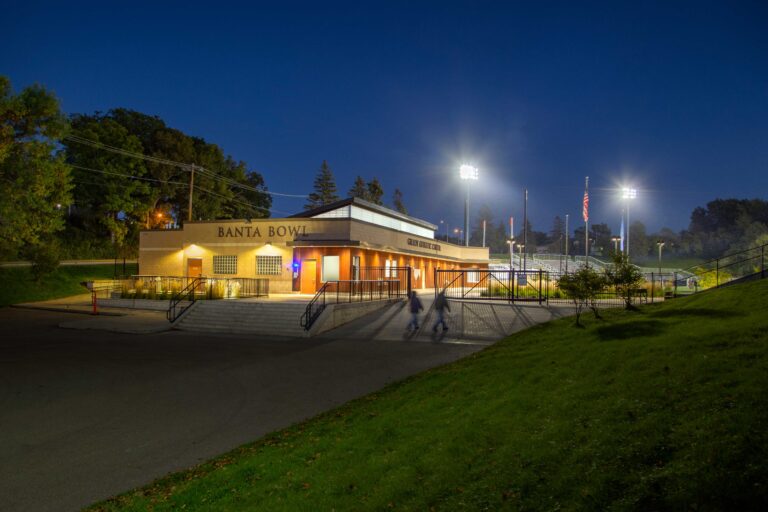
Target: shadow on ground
x=623 y=331
x=705 y=312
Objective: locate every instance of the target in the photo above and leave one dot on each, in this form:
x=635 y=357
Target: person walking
x=415 y=306
x=441 y=306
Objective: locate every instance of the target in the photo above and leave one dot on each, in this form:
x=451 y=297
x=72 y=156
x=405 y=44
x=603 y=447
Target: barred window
x=225 y=264
x=269 y=265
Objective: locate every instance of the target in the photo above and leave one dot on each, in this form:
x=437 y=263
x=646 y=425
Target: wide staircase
x=239 y=317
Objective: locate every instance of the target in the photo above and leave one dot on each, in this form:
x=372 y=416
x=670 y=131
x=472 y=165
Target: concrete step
x=281 y=319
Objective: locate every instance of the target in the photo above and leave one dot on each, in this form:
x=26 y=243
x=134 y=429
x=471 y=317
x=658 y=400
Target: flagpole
x=566 y=243
x=586 y=221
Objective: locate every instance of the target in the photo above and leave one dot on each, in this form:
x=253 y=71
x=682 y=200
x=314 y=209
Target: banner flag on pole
x=585 y=210
x=621 y=233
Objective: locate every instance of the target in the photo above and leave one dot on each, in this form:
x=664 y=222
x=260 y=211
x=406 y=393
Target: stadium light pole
x=469 y=174
x=661 y=244
x=628 y=193
x=616 y=240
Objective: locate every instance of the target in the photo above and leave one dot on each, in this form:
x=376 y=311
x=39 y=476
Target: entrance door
x=194 y=267
x=308 y=276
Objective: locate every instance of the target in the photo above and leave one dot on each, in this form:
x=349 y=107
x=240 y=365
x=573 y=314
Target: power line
x=177 y=183
x=184 y=166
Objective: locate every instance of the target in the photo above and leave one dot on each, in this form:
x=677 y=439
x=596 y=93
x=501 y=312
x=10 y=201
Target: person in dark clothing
x=441 y=306
x=415 y=306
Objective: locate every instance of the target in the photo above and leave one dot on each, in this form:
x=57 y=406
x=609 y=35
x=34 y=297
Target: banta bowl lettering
x=255 y=231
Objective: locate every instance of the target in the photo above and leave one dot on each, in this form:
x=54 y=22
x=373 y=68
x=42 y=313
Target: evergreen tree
x=358 y=189
x=375 y=192
x=325 y=188
x=397 y=202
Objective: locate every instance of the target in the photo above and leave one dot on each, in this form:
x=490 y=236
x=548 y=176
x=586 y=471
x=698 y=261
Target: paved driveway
x=87 y=414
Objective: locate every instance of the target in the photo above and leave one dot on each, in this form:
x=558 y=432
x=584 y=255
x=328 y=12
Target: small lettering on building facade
x=424 y=245
x=256 y=231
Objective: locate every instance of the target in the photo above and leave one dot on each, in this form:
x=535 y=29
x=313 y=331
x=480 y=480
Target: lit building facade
x=299 y=253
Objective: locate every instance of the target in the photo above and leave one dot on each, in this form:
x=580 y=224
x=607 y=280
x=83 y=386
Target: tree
x=601 y=238
x=375 y=192
x=115 y=194
x=35 y=183
x=484 y=214
x=397 y=202
x=359 y=189
x=325 y=188
x=625 y=277
x=557 y=236
x=639 y=243
x=583 y=287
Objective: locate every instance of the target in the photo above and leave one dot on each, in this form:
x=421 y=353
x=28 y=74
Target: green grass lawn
x=665 y=408
x=17 y=284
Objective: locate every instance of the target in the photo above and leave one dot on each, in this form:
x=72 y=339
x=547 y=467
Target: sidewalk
x=111 y=319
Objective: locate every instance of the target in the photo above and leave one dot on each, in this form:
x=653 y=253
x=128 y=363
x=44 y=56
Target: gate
x=484 y=284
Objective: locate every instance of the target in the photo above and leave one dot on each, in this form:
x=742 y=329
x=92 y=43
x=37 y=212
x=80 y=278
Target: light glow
x=628 y=193
x=468 y=172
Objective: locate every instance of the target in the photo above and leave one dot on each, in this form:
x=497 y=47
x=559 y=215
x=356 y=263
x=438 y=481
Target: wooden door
x=194 y=267
x=308 y=276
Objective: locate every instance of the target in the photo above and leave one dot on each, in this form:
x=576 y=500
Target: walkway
x=468 y=322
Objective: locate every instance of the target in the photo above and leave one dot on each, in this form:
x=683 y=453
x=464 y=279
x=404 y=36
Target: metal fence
x=539 y=286
x=728 y=269
x=166 y=287
x=484 y=284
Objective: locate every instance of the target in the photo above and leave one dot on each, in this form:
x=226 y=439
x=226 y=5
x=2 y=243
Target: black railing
x=727 y=269
x=401 y=274
x=210 y=288
x=187 y=295
x=338 y=292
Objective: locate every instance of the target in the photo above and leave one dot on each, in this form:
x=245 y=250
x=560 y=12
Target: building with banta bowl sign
x=339 y=241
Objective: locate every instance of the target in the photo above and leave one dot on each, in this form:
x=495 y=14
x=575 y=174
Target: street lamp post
x=616 y=240
x=628 y=193
x=469 y=174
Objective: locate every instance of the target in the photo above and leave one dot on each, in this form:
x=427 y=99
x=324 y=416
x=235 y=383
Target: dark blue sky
x=669 y=96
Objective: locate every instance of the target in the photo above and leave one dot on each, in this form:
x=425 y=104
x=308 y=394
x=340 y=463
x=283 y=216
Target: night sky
x=670 y=98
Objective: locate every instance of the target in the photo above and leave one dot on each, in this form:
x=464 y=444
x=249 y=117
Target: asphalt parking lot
x=87 y=414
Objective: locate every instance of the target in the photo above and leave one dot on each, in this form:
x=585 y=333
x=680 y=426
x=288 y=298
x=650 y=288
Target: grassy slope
x=665 y=408
x=17 y=285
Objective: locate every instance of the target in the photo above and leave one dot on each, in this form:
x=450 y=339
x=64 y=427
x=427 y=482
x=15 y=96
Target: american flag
x=585 y=210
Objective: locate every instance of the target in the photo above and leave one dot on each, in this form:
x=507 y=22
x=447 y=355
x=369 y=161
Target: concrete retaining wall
x=339 y=314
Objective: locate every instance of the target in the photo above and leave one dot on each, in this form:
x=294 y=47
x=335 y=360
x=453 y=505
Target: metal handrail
x=324 y=296
x=188 y=293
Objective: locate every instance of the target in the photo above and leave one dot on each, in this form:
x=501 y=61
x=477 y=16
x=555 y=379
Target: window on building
x=330 y=268
x=386 y=269
x=269 y=265
x=356 y=268
x=225 y=264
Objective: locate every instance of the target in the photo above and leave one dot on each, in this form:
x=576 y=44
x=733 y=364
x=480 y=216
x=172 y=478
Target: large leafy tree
x=35 y=182
x=109 y=186
x=157 y=191
x=324 y=188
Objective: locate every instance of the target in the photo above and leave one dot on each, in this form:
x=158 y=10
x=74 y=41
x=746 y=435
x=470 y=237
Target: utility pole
x=483 y=232
x=191 y=190
x=525 y=230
